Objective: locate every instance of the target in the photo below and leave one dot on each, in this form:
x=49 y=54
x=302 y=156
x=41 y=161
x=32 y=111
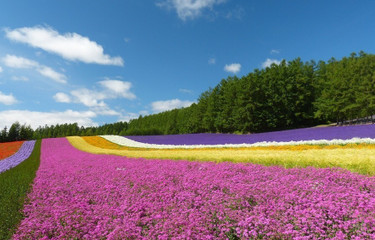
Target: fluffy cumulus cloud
x=189 y=9
x=269 y=62
x=51 y=74
x=13 y=61
x=36 y=119
x=160 y=106
x=94 y=99
x=70 y=46
x=118 y=88
x=233 y=68
x=7 y=99
x=88 y=97
x=61 y=97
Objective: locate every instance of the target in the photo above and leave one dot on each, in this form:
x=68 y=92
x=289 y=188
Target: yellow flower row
x=358 y=158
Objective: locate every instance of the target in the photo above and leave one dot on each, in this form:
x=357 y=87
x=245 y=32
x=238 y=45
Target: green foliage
x=14 y=186
x=292 y=94
x=17 y=132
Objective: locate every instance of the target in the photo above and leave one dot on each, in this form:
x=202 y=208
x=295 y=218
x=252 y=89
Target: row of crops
x=199 y=186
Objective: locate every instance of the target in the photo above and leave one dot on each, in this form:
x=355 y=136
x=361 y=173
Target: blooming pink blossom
x=77 y=195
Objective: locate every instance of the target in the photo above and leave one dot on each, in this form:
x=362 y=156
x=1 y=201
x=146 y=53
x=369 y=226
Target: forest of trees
x=18 y=132
x=289 y=95
x=292 y=94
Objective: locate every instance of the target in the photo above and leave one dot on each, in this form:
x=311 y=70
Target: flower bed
x=86 y=196
x=303 y=134
x=123 y=141
x=9 y=148
x=357 y=157
x=15 y=159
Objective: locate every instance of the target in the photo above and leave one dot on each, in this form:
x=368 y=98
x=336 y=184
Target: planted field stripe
x=77 y=195
x=14 y=186
x=361 y=160
x=104 y=143
x=302 y=134
x=9 y=148
x=21 y=155
x=123 y=141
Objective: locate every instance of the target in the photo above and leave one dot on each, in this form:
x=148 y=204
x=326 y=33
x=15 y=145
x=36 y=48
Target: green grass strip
x=14 y=187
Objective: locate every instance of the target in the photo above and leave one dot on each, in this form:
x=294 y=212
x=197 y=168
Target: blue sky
x=96 y=62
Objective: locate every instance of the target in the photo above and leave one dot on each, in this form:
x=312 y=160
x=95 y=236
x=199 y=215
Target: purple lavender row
x=21 y=155
x=317 y=133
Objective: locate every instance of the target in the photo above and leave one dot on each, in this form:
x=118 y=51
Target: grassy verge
x=14 y=186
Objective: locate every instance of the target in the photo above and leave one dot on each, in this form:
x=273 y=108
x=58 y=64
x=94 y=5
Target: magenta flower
x=77 y=195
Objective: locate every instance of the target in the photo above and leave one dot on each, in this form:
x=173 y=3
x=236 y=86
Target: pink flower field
x=77 y=195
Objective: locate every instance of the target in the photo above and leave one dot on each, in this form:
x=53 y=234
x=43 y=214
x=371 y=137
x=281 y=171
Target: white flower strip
x=123 y=141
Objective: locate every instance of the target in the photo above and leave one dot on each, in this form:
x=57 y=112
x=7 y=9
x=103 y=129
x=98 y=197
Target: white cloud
x=118 y=88
x=7 y=99
x=36 y=119
x=275 y=51
x=105 y=110
x=111 y=89
x=212 y=61
x=70 y=46
x=160 y=106
x=88 y=97
x=189 y=9
x=52 y=74
x=24 y=63
x=22 y=78
x=19 y=62
x=269 y=62
x=1 y=69
x=61 y=97
x=127 y=39
x=233 y=68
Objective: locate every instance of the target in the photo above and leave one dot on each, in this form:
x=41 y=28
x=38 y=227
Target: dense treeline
x=17 y=132
x=292 y=94
x=289 y=95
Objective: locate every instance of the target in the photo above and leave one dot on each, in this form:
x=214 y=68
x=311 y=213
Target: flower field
x=22 y=154
x=304 y=134
x=15 y=183
x=200 y=187
x=9 y=148
x=355 y=157
x=78 y=195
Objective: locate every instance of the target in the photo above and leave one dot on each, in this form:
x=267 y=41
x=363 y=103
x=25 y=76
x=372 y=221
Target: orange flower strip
x=9 y=148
